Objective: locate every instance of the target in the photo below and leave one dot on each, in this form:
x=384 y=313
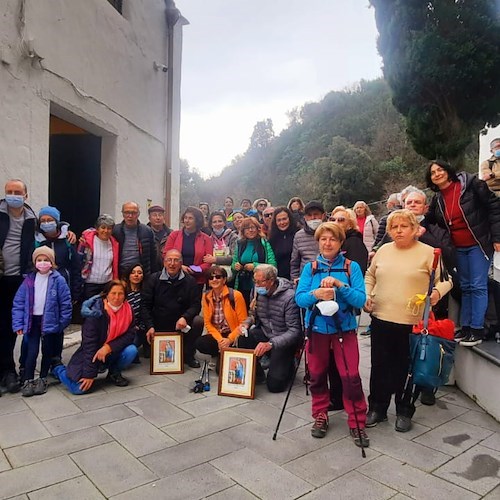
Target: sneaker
x=403 y=424
x=320 y=426
x=360 y=438
x=28 y=389
x=473 y=339
x=374 y=417
x=427 y=397
x=192 y=363
x=117 y=378
x=40 y=386
x=462 y=334
x=11 y=382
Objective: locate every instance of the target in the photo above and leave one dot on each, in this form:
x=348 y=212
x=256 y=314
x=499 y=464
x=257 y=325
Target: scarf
x=119 y=321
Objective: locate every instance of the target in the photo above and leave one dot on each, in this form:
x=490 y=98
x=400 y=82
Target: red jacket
x=86 y=251
x=203 y=245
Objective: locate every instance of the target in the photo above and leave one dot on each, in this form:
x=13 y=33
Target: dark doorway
x=75 y=178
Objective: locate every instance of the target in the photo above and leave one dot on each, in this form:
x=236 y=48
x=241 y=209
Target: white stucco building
x=90 y=104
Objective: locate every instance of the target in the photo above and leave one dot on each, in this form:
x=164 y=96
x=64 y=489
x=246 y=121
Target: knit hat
x=50 y=211
x=47 y=251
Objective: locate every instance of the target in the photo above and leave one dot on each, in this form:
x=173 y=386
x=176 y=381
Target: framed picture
x=166 y=353
x=237 y=373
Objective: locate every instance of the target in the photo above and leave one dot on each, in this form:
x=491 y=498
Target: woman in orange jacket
x=224 y=311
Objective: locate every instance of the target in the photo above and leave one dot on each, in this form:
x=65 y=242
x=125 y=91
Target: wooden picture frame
x=167 y=354
x=237 y=373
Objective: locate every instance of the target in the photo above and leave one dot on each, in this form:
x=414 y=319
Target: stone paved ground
x=155 y=439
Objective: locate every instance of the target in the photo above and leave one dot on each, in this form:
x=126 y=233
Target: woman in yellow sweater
x=399 y=271
x=224 y=311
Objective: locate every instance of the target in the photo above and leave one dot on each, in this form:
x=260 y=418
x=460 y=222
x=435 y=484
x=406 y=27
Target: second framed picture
x=166 y=353
x=237 y=373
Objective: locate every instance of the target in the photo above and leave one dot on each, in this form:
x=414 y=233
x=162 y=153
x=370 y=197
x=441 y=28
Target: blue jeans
x=116 y=362
x=473 y=268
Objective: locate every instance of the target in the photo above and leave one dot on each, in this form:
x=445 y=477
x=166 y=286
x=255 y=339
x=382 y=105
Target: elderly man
x=171 y=302
x=490 y=168
x=17 y=239
x=160 y=230
x=278 y=332
x=136 y=241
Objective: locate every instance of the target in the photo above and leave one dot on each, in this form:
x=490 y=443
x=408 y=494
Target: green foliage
x=441 y=60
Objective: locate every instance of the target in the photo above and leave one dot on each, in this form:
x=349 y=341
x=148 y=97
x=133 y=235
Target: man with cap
x=160 y=230
x=17 y=236
x=136 y=241
x=490 y=168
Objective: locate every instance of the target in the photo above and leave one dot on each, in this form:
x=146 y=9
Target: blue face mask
x=497 y=153
x=14 y=200
x=261 y=290
x=48 y=227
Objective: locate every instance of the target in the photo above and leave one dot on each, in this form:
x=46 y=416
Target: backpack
x=232 y=303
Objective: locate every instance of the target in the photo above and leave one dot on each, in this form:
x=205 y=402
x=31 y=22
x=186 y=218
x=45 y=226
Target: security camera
x=161 y=67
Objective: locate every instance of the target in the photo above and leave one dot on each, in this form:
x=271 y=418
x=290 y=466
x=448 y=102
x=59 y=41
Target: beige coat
x=488 y=167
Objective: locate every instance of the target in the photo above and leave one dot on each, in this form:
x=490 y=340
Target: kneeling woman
x=224 y=311
x=331 y=278
x=107 y=339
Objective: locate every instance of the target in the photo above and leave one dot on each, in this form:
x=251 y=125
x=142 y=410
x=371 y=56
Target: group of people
x=257 y=277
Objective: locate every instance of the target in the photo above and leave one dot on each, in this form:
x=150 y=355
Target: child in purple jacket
x=42 y=309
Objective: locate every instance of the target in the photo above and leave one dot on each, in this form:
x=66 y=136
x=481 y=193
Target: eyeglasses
x=171 y=261
x=268 y=215
x=337 y=219
x=129 y=213
x=250 y=228
x=215 y=277
x=262 y=204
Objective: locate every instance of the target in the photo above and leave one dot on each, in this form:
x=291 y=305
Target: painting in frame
x=237 y=373
x=166 y=353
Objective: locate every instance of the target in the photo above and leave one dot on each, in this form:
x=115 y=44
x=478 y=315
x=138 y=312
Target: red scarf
x=119 y=321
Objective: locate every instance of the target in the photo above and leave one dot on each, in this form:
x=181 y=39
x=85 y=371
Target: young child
x=42 y=309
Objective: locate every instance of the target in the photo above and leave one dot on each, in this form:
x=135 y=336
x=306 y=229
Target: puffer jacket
x=370 y=232
x=305 y=249
x=480 y=208
x=279 y=317
x=354 y=249
x=94 y=335
x=57 y=311
x=226 y=241
x=86 y=253
x=348 y=297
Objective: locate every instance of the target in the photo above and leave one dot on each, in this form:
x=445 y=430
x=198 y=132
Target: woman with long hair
x=281 y=234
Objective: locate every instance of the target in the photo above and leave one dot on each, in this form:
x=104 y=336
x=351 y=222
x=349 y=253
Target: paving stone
x=204 y=425
x=19 y=428
x=56 y=446
x=303 y=411
x=79 y=488
x=173 y=392
x=460 y=399
x=492 y=441
x=52 y=404
x=400 y=496
x=352 y=486
x=158 y=411
x=88 y=419
x=297 y=397
x=112 y=469
x=138 y=436
x=19 y=497
x=182 y=485
x=387 y=429
x=187 y=378
x=183 y=456
x=12 y=403
x=103 y=399
x=233 y=493
x=441 y=412
x=412 y=481
x=268 y=415
x=36 y=476
x=477 y=470
x=481 y=419
x=493 y=494
x=453 y=437
x=206 y=404
x=411 y=452
x=260 y=476
x=4 y=463
x=330 y=462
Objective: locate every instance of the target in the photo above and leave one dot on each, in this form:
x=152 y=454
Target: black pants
x=190 y=338
x=8 y=288
x=206 y=344
x=91 y=289
x=281 y=364
x=31 y=343
x=390 y=353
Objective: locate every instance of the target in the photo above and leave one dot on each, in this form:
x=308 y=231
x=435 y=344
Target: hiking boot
x=117 y=378
x=192 y=363
x=28 y=389
x=462 y=334
x=40 y=386
x=11 y=382
x=403 y=424
x=475 y=338
x=427 y=397
x=374 y=417
x=360 y=438
x=320 y=426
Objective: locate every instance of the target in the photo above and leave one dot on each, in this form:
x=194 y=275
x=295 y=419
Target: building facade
x=90 y=104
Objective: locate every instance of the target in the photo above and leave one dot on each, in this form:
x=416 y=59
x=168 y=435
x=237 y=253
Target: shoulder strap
x=346 y=269
x=491 y=163
x=231 y=299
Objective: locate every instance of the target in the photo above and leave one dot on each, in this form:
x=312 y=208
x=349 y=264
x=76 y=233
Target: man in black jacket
x=136 y=241
x=171 y=302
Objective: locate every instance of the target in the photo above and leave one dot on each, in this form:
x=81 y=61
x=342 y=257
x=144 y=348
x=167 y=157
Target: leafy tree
x=441 y=60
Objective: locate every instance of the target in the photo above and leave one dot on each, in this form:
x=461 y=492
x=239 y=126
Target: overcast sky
x=247 y=60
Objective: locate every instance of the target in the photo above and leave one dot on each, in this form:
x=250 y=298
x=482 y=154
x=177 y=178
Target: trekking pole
x=290 y=389
x=341 y=341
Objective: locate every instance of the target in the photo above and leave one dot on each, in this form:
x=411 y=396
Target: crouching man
x=277 y=330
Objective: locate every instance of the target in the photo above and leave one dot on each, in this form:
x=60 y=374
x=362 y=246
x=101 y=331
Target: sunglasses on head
x=216 y=277
x=268 y=215
x=337 y=219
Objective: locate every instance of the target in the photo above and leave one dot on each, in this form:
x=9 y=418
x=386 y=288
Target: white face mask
x=327 y=307
x=115 y=308
x=314 y=224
